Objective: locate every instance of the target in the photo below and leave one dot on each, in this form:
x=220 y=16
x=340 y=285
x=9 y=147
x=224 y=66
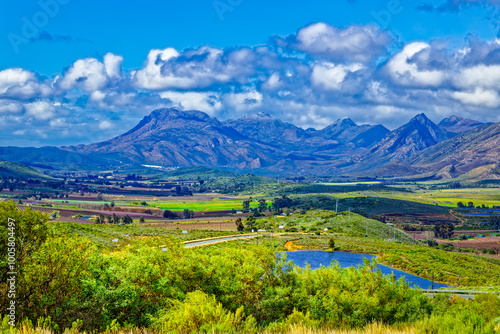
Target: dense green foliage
x=68 y=281
x=21 y=233
x=279 y=189
x=239 y=287
x=235 y=185
x=364 y=205
x=196 y=174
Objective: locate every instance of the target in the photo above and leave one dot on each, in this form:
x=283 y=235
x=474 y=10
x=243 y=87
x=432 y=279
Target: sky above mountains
x=79 y=72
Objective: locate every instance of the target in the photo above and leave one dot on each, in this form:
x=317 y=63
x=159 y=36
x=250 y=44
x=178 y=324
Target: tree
x=116 y=219
x=246 y=206
x=470 y=205
x=109 y=219
x=443 y=231
x=112 y=204
x=23 y=230
x=460 y=205
x=98 y=220
x=188 y=214
x=432 y=243
x=331 y=243
x=169 y=214
x=494 y=220
x=239 y=224
x=127 y=219
x=262 y=205
x=141 y=220
x=144 y=203
x=282 y=202
x=250 y=221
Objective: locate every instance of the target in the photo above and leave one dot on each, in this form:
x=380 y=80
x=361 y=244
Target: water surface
x=323 y=258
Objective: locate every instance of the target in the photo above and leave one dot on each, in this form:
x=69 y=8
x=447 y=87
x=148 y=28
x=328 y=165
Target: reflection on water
x=323 y=258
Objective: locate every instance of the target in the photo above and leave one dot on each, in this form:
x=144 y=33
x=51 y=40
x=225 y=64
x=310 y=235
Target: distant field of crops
x=442 y=197
x=214 y=205
x=349 y=183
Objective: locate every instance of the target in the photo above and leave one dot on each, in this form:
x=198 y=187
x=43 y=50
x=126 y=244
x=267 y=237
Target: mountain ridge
x=259 y=143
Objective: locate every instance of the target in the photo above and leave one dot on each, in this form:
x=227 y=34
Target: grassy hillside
x=16 y=170
x=235 y=185
x=272 y=188
x=196 y=174
x=343 y=223
x=364 y=205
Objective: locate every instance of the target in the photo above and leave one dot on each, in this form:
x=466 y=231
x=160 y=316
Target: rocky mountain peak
x=259 y=115
x=457 y=125
x=344 y=122
x=422 y=119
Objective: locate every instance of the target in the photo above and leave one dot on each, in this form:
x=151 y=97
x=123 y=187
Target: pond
x=324 y=258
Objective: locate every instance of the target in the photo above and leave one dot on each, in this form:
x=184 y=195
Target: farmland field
x=350 y=183
x=442 y=197
x=215 y=205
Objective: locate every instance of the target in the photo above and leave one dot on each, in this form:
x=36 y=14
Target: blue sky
x=82 y=71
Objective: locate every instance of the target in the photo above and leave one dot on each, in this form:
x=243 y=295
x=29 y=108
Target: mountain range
x=263 y=144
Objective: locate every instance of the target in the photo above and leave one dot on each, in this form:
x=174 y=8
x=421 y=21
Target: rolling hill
x=16 y=170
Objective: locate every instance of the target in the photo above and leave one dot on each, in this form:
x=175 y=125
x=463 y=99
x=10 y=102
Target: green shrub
x=355 y=297
x=200 y=312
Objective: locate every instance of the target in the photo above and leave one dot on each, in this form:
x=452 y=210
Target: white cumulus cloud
x=40 y=110
x=479 y=97
x=90 y=74
x=208 y=102
x=403 y=72
x=354 y=43
x=329 y=76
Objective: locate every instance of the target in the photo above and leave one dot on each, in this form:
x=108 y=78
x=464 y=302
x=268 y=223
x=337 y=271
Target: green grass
x=349 y=183
x=367 y=206
x=442 y=197
x=195 y=174
x=13 y=169
x=343 y=223
x=214 y=205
